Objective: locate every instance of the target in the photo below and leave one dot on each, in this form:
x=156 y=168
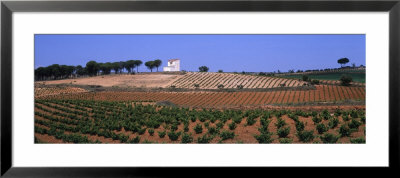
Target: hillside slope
x=153 y=80
x=211 y=80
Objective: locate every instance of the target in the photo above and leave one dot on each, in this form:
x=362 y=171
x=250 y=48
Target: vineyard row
x=322 y=93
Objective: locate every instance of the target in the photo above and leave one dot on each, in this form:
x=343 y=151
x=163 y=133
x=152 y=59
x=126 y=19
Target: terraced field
x=210 y=80
x=323 y=93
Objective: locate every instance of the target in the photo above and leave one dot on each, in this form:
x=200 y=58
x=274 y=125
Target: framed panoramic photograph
x=102 y=88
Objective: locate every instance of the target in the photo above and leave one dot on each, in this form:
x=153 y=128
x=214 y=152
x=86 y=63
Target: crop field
x=357 y=76
x=46 y=91
x=209 y=80
x=322 y=94
x=263 y=111
x=208 y=88
x=90 y=121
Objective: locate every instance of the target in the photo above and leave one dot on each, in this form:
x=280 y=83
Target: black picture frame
x=8 y=7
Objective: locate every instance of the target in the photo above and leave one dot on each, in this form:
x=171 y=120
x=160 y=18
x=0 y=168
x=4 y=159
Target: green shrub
x=354 y=124
x=299 y=126
x=283 y=132
x=344 y=130
x=213 y=119
x=285 y=140
x=227 y=135
x=161 y=134
x=219 y=125
x=314 y=114
x=333 y=123
x=135 y=140
x=321 y=128
x=198 y=128
x=264 y=138
x=232 y=126
x=202 y=119
x=294 y=117
x=338 y=112
x=265 y=122
x=263 y=129
x=357 y=140
x=123 y=138
x=152 y=124
x=187 y=138
x=280 y=123
x=174 y=135
x=237 y=120
x=345 y=117
x=363 y=119
x=204 y=139
x=193 y=119
x=151 y=132
x=305 y=78
x=315 y=82
x=113 y=136
x=186 y=127
x=213 y=130
x=354 y=114
x=250 y=120
x=174 y=127
x=206 y=124
x=345 y=80
x=329 y=138
x=325 y=114
x=305 y=136
x=142 y=131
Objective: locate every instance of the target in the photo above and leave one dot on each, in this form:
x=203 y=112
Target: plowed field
x=322 y=94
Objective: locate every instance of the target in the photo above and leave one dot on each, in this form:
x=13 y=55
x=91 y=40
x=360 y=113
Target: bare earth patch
x=122 y=80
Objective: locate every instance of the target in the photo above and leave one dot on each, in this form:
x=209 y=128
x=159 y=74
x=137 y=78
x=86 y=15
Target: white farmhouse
x=173 y=65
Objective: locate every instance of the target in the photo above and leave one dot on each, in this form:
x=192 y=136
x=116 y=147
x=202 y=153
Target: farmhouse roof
x=173 y=60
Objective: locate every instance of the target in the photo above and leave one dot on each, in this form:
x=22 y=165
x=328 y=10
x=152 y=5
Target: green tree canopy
x=137 y=64
x=343 y=61
x=150 y=65
x=129 y=65
x=92 y=68
x=203 y=69
x=157 y=63
x=115 y=67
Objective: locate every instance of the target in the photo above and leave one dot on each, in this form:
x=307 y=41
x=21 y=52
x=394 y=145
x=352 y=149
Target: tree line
x=92 y=68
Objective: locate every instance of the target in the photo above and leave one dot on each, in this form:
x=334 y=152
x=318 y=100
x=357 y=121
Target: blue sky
x=250 y=53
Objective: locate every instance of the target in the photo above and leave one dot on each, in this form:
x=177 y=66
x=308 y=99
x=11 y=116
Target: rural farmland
x=169 y=101
x=107 y=113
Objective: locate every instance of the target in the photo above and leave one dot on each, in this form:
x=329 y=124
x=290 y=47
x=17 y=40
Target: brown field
x=46 y=91
x=72 y=113
x=155 y=80
x=227 y=100
x=209 y=80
